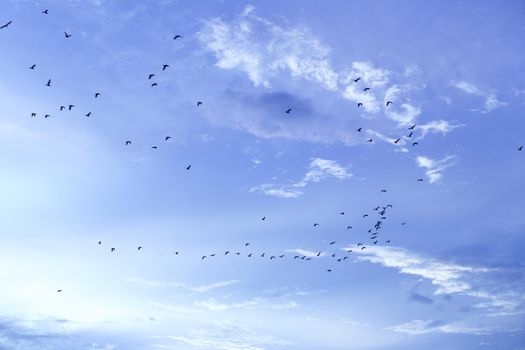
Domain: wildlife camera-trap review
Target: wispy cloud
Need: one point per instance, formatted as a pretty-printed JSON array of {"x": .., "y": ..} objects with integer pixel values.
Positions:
[
  {"x": 307, "y": 253},
  {"x": 491, "y": 101},
  {"x": 164, "y": 284},
  {"x": 417, "y": 327},
  {"x": 434, "y": 168},
  {"x": 318, "y": 170}
]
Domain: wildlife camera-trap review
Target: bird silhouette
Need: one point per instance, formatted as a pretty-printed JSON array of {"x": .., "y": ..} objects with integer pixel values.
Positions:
[
  {"x": 33, "y": 66},
  {"x": 203, "y": 257},
  {"x": 33, "y": 115},
  {"x": 139, "y": 248},
  {"x": 363, "y": 248},
  {"x": 177, "y": 37},
  {"x": 188, "y": 167},
  {"x": 151, "y": 76},
  {"x": 250, "y": 255},
  {"x": 520, "y": 148},
  {"x": 415, "y": 143},
  {"x": 48, "y": 82},
  {"x": 99, "y": 242},
  {"x": 348, "y": 227},
  {"x": 167, "y": 138},
  {"x": 272, "y": 257},
  {"x": 359, "y": 129},
  {"x": 388, "y": 103},
  {"x": 199, "y": 103},
  {"x": 59, "y": 291},
  {"x": 176, "y": 253},
  {"x": 6, "y": 25},
  {"x": 88, "y": 114},
  {"x": 263, "y": 218},
  {"x": 288, "y": 111},
  {"x": 412, "y": 127},
  {"x": 154, "y": 147},
  {"x": 332, "y": 243},
  {"x": 227, "y": 252},
  {"x": 342, "y": 213},
  {"x": 316, "y": 224},
  {"x": 359, "y": 104},
  {"x": 113, "y": 249},
  {"x": 383, "y": 191},
  {"x": 97, "y": 94},
  {"x": 67, "y": 35},
  {"x": 47, "y": 116},
  {"x": 70, "y": 107},
  {"x": 329, "y": 270},
  {"x": 411, "y": 133},
  {"x": 356, "y": 80},
  {"x": 246, "y": 244},
  {"x": 365, "y": 215},
  {"x": 154, "y": 84},
  {"x": 164, "y": 66},
  {"x": 128, "y": 142},
  {"x": 45, "y": 12},
  {"x": 396, "y": 141},
  {"x": 388, "y": 241},
  {"x": 62, "y": 108},
  {"x": 419, "y": 180},
  {"x": 366, "y": 89}
]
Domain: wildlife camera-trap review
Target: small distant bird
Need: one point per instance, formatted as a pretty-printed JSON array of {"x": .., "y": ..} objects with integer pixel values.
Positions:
[
  {"x": 288, "y": 111},
  {"x": 139, "y": 248},
  {"x": 154, "y": 84},
  {"x": 363, "y": 248},
  {"x": 164, "y": 66},
  {"x": 62, "y": 108},
  {"x": 262, "y": 255},
  {"x": 332, "y": 243},
  {"x": 296, "y": 257},
  {"x": 342, "y": 213},
  {"x": 359, "y": 244},
  {"x": 348, "y": 227},
  {"x": 99, "y": 242},
  {"x": 246, "y": 244},
  {"x": 356, "y": 80},
  {"x": 415, "y": 143},
  {"x": 250, "y": 255},
  {"x": 411, "y": 133},
  {"x": 263, "y": 218},
  {"x": 387, "y": 241},
  {"x": 227, "y": 252},
  {"x": 281, "y": 256},
  {"x": 112, "y": 249},
  {"x": 167, "y": 138},
  {"x": 365, "y": 215},
  {"x": 329, "y": 270},
  {"x": 154, "y": 147},
  {"x": 272, "y": 257},
  {"x": 359, "y": 129},
  {"x": 412, "y": 127},
  {"x": 97, "y": 94},
  {"x": 212, "y": 254},
  {"x": 67, "y": 35},
  {"x": 59, "y": 291},
  {"x": 199, "y": 103},
  {"x": 48, "y": 82},
  {"x": 33, "y": 66},
  {"x": 359, "y": 104},
  {"x": 128, "y": 142},
  {"x": 6, "y": 25},
  {"x": 396, "y": 141},
  {"x": 88, "y": 114},
  {"x": 33, "y": 115},
  {"x": 316, "y": 224},
  {"x": 203, "y": 257},
  {"x": 383, "y": 190},
  {"x": 45, "y": 12},
  {"x": 403, "y": 223},
  {"x": 419, "y": 180},
  {"x": 188, "y": 167},
  {"x": 319, "y": 254},
  {"x": 47, "y": 116},
  {"x": 151, "y": 76},
  {"x": 388, "y": 103},
  {"x": 520, "y": 148},
  {"x": 238, "y": 253},
  {"x": 370, "y": 140},
  {"x": 177, "y": 252},
  {"x": 177, "y": 37},
  {"x": 70, "y": 107},
  {"x": 366, "y": 89}
]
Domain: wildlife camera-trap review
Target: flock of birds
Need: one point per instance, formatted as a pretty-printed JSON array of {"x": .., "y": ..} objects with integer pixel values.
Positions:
[{"x": 374, "y": 231}]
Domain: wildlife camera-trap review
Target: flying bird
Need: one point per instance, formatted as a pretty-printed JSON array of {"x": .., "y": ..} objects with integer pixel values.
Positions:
[
  {"x": 60, "y": 290},
  {"x": 177, "y": 37},
  {"x": 88, "y": 114},
  {"x": 199, "y": 103},
  {"x": 359, "y": 129},
  {"x": 288, "y": 111},
  {"x": 396, "y": 141},
  {"x": 188, "y": 167},
  {"x": 33, "y": 66},
  {"x": 363, "y": 248},
  {"x": 154, "y": 84},
  {"x": 348, "y": 227},
  {"x": 366, "y": 89},
  {"x": 356, "y": 80},
  {"x": 164, "y": 66},
  {"x": 97, "y": 94},
  {"x": 328, "y": 270},
  {"x": 154, "y": 147},
  {"x": 383, "y": 191},
  {"x": 370, "y": 140},
  {"x": 246, "y": 244},
  {"x": 419, "y": 180},
  {"x": 365, "y": 215},
  {"x": 48, "y": 82},
  {"x": 388, "y": 103},
  {"x": 415, "y": 143},
  {"x": 167, "y": 138},
  {"x": 520, "y": 148},
  {"x": 332, "y": 243},
  {"x": 62, "y": 108},
  {"x": 342, "y": 213},
  {"x": 151, "y": 76},
  {"x": 112, "y": 249},
  {"x": 203, "y": 257},
  {"x": 359, "y": 104},
  {"x": 411, "y": 133},
  {"x": 412, "y": 127},
  {"x": 70, "y": 107},
  {"x": 316, "y": 224},
  {"x": 227, "y": 252},
  {"x": 45, "y": 12},
  {"x": 263, "y": 218},
  {"x": 47, "y": 116},
  {"x": 99, "y": 242},
  {"x": 33, "y": 115},
  {"x": 67, "y": 35},
  {"x": 6, "y": 25},
  {"x": 128, "y": 142},
  {"x": 139, "y": 248}
]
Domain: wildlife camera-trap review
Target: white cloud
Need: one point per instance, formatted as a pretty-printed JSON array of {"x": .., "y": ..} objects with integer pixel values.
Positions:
[
  {"x": 491, "y": 101},
  {"x": 437, "y": 126},
  {"x": 163, "y": 284},
  {"x": 212, "y": 304},
  {"x": 318, "y": 170},
  {"x": 417, "y": 327},
  {"x": 307, "y": 253},
  {"x": 434, "y": 168}
]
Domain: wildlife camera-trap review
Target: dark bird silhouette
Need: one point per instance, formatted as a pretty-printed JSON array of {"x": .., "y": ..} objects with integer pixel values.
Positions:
[
  {"x": 412, "y": 127},
  {"x": 113, "y": 249},
  {"x": 415, "y": 143},
  {"x": 281, "y": 256},
  {"x": 316, "y": 224},
  {"x": 342, "y": 213},
  {"x": 70, "y": 107},
  {"x": 97, "y": 94},
  {"x": 33, "y": 66},
  {"x": 177, "y": 37},
  {"x": 363, "y": 248},
  {"x": 99, "y": 242},
  {"x": 62, "y": 108},
  {"x": 154, "y": 147},
  {"x": 365, "y": 215},
  {"x": 88, "y": 114},
  {"x": 47, "y": 116},
  {"x": 272, "y": 257},
  {"x": 33, "y": 115},
  {"x": 227, "y": 252},
  {"x": 387, "y": 241},
  {"x": 332, "y": 243},
  {"x": 154, "y": 84},
  {"x": 250, "y": 255},
  {"x": 288, "y": 111},
  {"x": 128, "y": 142},
  {"x": 59, "y": 291},
  {"x": 177, "y": 252},
  {"x": 348, "y": 227},
  {"x": 199, "y": 103},
  {"x": 45, "y": 12},
  {"x": 359, "y": 104},
  {"x": 262, "y": 255},
  {"x": 167, "y": 138},
  {"x": 366, "y": 89},
  {"x": 388, "y": 103},
  {"x": 370, "y": 140},
  {"x": 520, "y": 148},
  {"x": 359, "y": 129},
  {"x": 329, "y": 270},
  {"x": 383, "y": 190},
  {"x": 238, "y": 253},
  {"x": 151, "y": 76},
  {"x": 164, "y": 66},
  {"x": 396, "y": 141},
  {"x": 411, "y": 133},
  {"x": 48, "y": 82},
  {"x": 67, "y": 35},
  {"x": 188, "y": 167},
  {"x": 419, "y": 180},
  {"x": 319, "y": 254},
  {"x": 139, "y": 248},
  {"x": 246, "y": 244},
  {"x": 263, "y": 218},
  {"x": 203, "y": 257},
  {"x": 6, "y": 25},
  {"x": 403, "y": 223},
  {"x": 296, "y": 257},
  {"x": 359, "y": 244},
  {"x": 356, "y": 80},
  {"x": 375, "y": 242},
  {"x": 212, "y": 254}
]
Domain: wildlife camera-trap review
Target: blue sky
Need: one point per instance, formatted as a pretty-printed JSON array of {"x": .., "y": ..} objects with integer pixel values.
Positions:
[{"x": 451, "y": 275}]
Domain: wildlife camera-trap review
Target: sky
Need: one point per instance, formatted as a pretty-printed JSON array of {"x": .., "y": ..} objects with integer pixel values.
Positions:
[{"x": 290, "y": 230}]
